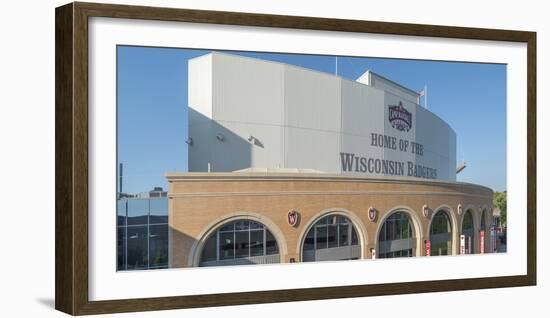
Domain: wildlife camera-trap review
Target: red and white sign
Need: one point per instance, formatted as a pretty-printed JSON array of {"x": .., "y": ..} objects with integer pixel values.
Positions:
[
  {"x": 373, "y": 253},
  {"x": 428, "y": 247},
  {"x": 372, "y": 214},
  {"x": 462, "y": 245},
  {"x": 481, "y": 242},
  {"x": 426, "y": 211},
  {"x": 293, "y": 216}
]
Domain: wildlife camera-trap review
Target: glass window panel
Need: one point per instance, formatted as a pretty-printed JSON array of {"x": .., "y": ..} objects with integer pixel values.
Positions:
[
  {"x": 256, "y": 243},
  {"x": 241, "y": 244},
  {"x": 396, "y": 227},
  {"x": 138, "y": 211},
  {"x": 440, "y": 223},
  {"x": 400, "y": 229},
  {"x": 228, "y": 227},
  {"x": 402, "y": 253},
  {"x": 121, "y": 211},
  {"x": 354, "y": 237},
  {"x": 322, "y": 221},
  {"x": 241, "y": 225},
  {"x": 158, "y": 246},
  {"x": 384, "y": 232},
  {"x": 382, "y": 236},
  {"x": 309, "y": 242},
  {"x": 435, "y": 225},
  {"x": 256, "y": 225},
  {"x": 227, "y": 248},
  {"x": 405, "y": 229},
  {"x": 137, "y": 247},
  {"x": 391, "y": 228},
  {"x": 159, "y": 210},
  {"x": 209, "y": 250},
  {"x": 332, "y": 236},
  {"x": 158, "y": 219},
  {"x": 271, "y": 246},
  {"x": 439, "y": 249},
  {"x": 468, "y": 222},
  {"x": 343, "y": 239},
  {"x": 120, "y": 250},
  {"x": 321, "y": 237},
  {"x": 341, "y": 219}
]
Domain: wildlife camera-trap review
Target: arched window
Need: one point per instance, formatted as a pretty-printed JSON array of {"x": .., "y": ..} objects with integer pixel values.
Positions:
[
  {"x": 240, "y": 242},
  {"x": 397, "y": 238},
  {"x": 440, "y": 234},
  {"x": 331, "y": 238},
  {"x": 468, "y": 232}
]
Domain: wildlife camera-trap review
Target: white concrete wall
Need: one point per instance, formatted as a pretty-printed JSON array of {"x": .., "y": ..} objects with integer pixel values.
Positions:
[
  {"x": 312, "y": 119},
  {"x": 439, "y": 142},
  {"x": 248, "y": 101},
  {"x": 301, "y": 118},
  {"x": 200, "y": 111},
  {"x": 361, "y": 114},
  {"x": 245, "y": 90},
  {"x": 199, "y": 79}
]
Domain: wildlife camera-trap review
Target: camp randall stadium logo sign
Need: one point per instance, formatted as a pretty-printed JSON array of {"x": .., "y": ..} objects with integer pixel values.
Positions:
[{"x": 399, "y": 117}]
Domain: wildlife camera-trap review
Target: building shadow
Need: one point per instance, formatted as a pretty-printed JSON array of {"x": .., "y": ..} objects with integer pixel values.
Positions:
[
  {"x": 179, "y": 248},
  {"x": 216, "y": 142}
]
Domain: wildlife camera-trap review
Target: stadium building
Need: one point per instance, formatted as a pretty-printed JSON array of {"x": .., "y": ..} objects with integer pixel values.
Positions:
[{"x": 288, "y": 164}]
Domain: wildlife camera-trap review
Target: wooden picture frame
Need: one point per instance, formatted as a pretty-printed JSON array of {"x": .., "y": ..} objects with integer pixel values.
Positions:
[{"x": 71, "y": 124}]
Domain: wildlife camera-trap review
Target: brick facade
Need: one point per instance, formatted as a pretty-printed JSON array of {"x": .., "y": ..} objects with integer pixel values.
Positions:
[{"x": 199, "y": 203}]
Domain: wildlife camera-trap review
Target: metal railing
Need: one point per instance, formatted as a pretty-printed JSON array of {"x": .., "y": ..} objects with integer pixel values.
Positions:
[
  {"x": 333, "y": 253},
  {"x": 252, "y": 260}
]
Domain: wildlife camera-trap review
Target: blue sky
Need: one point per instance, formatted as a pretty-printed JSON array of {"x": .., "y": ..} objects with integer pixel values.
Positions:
[{"x": 152, "y": 108}]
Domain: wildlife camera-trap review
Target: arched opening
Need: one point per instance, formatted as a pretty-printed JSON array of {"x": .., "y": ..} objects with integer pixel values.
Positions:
[
  {"x": 240, "y": 242},
  {"x": 441, "y": 234},
  {"x": 484, "y": 233},
  {"x": 331, "y": 238},
  {"x": 397, "y": 237},
  {"x": 468, "y": 232}
]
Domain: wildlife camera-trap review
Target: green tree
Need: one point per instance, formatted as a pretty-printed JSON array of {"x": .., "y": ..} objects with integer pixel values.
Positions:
[{"x": 499, "y": 201}]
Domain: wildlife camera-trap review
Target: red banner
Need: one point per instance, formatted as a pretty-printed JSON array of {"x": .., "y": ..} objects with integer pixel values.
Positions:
[
  {"x": 481, "y": 242},
  {"x": 428, "y": 247}
]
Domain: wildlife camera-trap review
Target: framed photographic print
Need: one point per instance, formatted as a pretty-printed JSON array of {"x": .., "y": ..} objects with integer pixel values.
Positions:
[{"x": 211, "y": 158}]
